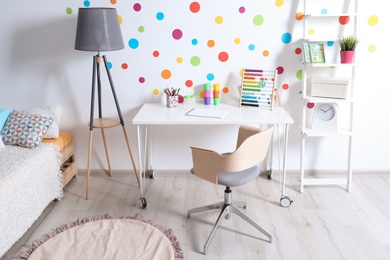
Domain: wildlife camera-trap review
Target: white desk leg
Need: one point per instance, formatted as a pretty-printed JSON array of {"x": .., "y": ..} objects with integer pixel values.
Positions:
[
  {"x": 141, "y": 160},
  {"x": 284, "y": 200},
  {"x": 150, "y": 152},
  {"x": 270, "y": 158}
]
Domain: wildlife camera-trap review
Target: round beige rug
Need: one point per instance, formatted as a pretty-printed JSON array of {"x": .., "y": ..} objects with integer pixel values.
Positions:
[{"x": 107, "y": 237}]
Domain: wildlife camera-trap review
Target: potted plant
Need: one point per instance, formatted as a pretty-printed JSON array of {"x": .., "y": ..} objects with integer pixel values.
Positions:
[{"x": 347, "y": 46}]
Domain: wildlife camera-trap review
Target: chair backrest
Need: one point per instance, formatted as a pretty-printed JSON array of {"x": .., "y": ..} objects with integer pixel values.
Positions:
[{"x": 251, "y": 149}]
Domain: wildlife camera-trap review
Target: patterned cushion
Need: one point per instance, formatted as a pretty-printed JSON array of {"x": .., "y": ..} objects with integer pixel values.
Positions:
[
  {"x": 24, "y": 129},
  {"x": 53, "y": 112}
]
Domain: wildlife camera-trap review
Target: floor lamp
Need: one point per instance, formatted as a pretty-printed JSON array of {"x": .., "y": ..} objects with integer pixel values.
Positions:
[{"x": 98, "y": 30}]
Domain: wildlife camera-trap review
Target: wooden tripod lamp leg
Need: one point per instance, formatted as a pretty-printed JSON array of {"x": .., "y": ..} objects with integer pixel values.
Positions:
[
  {"x": 131, "y": 155},
  {"x": 89, "y": 163},
  {"x": 105, "y": 148}
]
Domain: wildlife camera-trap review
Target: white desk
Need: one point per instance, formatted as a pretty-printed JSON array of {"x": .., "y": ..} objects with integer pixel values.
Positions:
[{"x": 154, "y": 114}]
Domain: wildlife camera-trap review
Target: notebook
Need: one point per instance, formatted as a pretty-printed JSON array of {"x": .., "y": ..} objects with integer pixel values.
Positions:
[{"x": 207, "y": 113}]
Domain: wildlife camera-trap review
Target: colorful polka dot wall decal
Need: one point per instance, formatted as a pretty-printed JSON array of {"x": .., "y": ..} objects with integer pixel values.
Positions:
[
  {"x": 373, "y": 20},
  {"x": 330, "y": 43},
  {"x": 241, "y": 10},
  {"x": 258, "y": 20},
  {"x": 310, "y": 105},
  {"x": 141, "y": 80},
  {"x": 113, "y": 2},
  {"x": 133, "y": 43},
  {"x": 299, "y": 16},
  {"x": 280, "y": 70},
  {"x": 194, "y": 41},
  {"x": 286, "y": 38},
  {"x": 156, "y": 91},
  {"x": 343, "y": 20},
  {"x": 310, "y": 31},
  {"x": 299, "y": 74},
  {"x": 124, "y": 66},
  {"x": 251, "y": 47},
  {"x": 120, "y": 19},
  {"x": 69, "y": 10},
  {"x": 265, "y": 53},
  {"x": 219, "y": 19},
  {"x": 237, "y": 40},
  {"x": 141, "y": 29},
  {"x": 223, "y": 56},
  {"x": 195, "y": 61},
  {"x": 324, "y": 11},
  {"x": 210, "y": 76},
  {"x": 189, "y": 83},
  {"x": 87, "y": 3},
  {"x": 371, "y": 48},
  {"x": 156, "y": 54},
  {"x": 179, "y": 60},
  {"x": 177, "y": 34},
  {"x": 166, "y": 74},
  {"x": 225, "y": 90},
  {"x": 285, "y": 86},
  {"x": 279, "y": 3},
  {"x": 137, "y": 7},
  {"x": 298, "y": 51},
  {"x": 211, "y": 43},
  {"x": 194, "y": 7},
  {"x": 160, "y": 16}
]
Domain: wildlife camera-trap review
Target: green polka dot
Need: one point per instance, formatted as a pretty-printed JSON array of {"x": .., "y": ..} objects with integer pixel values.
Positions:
[
  {"x": 372, "y": 48},
  {"x": 195, "y": 61},
  {"x": 69, "y": 10},
  {"x": 141, "y": 29},
  {"x": 258, "y": 20},
  {"x": 299, "y": 74}
]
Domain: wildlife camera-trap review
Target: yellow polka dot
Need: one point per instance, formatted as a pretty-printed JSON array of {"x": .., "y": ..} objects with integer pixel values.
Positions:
[
  {"x": 310, "y": 31},
  {"x": 279, "y": 3},
  {"x": 156, "y": 91},
  {"x": 237, "y": 40},
  {"x": 373, "y": 20},
  {"x": 179, "y": 60},
  {"x": 219, "y": 19}
]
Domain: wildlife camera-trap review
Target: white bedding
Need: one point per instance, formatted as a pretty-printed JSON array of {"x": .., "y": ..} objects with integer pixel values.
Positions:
[{"x": 29, "y": 180}]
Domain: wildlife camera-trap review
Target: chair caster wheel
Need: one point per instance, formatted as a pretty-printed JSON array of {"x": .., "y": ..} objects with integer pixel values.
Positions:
[
  {"x": 269, "y": 174},
  {"x": 285, "y": 202},
  {"x": 142, "y": 202}
]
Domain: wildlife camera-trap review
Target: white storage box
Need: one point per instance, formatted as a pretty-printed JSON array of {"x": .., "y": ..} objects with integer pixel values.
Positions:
[{"x": 330, "y": 87}]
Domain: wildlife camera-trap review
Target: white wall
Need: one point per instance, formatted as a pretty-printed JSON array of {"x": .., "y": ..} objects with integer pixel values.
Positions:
[{"x": 40, "y": 67}]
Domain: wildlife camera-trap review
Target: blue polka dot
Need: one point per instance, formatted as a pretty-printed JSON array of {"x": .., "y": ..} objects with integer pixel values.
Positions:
[
  {"x": 133, "y": 43},
  {"x": 160, "y": 16},
  {"x": 109, "y": 64},
  {"x": 324, "y": 11},
  {"x": 251, "y": 47},
  {"x": 330, "y": 43},
  {"x": 286, "y": 38},
  {"x": 210, "y": 76},
  {"x": 194, "y": 41},
  {"x": 87, "y": 3}
]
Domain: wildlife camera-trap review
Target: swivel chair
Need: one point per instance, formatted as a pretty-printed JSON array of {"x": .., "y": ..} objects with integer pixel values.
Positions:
[{"x": 232, "y": 170}]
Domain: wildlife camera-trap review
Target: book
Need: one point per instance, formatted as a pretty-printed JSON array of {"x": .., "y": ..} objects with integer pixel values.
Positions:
[
  {"x": 317, "y": 53},
  {"x": 306, "y": 52},
  {"x": 214, "y": 113}
]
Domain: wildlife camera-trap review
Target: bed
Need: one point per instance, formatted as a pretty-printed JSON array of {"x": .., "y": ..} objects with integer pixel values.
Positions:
[{"x": 33, "y": 170}]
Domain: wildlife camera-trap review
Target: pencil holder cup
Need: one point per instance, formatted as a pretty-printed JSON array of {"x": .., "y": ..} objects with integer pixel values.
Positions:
[
  {"x": 207, "y": 100},
  {"x": 206, "y": 86},
  {"x": 172, "y": 101},
  {"x": 216, "y": 87},
  {"x": 216, "y": 101},
  {"x": 215, "y": 94},
  {"x": 206, "y": 93}
]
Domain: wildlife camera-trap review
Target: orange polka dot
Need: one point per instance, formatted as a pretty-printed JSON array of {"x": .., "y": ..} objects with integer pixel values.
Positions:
[
  {"x": 225, "y": 90},
  {"x": 265, "y": 53},
  {"x": 299, "y": 16},
  {"x": 298, "y": 51},
  {"x": 166, "y": 74},
  {"x": 210, "y": 43}
]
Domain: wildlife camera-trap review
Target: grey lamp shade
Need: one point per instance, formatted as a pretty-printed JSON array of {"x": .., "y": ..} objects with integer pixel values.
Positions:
[{"x": 98, "y": 29}]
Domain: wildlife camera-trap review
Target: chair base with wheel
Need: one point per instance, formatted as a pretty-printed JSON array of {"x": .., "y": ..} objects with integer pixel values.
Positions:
[{"x": 232, "y": 170}]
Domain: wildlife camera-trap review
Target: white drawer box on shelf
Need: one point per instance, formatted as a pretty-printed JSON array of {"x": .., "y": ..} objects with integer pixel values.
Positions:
[{"x": 329, "y": 87}]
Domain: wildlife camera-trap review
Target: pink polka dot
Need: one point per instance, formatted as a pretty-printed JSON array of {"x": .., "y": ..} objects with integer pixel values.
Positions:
[
  {"x": 310, "y": 105},
  {"x": 137, "y": 7},
  {"x": 177, "y": 34},
  {"x": 141, "y": 80},
  {"x": 280, "y": 70},
  {"x": 241, "y": 9}
]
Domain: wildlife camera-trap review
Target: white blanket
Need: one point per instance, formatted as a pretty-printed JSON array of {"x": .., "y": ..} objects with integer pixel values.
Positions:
[{"x": 29, "y": 180}]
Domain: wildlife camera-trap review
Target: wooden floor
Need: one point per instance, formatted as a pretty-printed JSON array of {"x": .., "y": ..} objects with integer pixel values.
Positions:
[{"x": 322, "y": 223}]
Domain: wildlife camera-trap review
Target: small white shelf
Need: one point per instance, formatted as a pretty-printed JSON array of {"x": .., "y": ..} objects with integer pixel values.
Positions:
[
  {"x": 329, "y": 100},
  {"x": 330, "y": 15},
  {"x": 315, "y": 133},
  {"x": 330, "y": 64}
]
